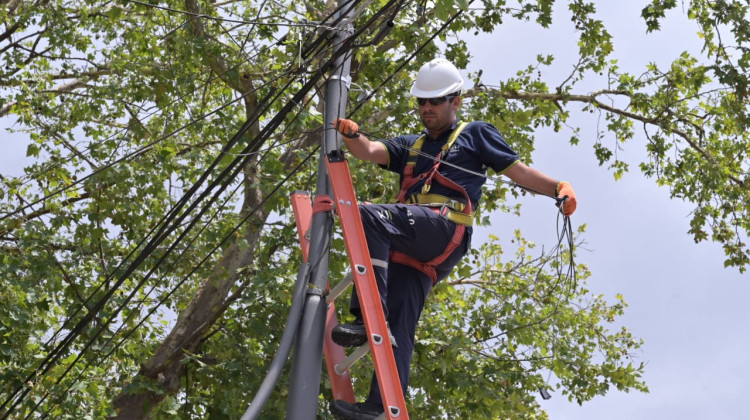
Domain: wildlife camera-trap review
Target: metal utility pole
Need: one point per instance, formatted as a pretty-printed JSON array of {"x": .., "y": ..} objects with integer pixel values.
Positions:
[{"x": 308, "y": 351}]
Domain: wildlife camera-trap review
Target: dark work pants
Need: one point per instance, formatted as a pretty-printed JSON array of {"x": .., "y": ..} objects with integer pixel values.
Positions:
[{"x": 423, "y": 234}]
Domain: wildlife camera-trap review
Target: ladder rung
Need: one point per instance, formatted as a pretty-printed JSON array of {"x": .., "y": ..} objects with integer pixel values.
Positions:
[
  {"x": 350, "y": 360},
  {"x": 357, "y": 354},
  {"x": 340, "y": 287}
]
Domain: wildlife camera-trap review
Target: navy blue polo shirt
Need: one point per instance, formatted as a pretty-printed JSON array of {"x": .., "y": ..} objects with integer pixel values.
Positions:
[{"x": 478, "y": 147}]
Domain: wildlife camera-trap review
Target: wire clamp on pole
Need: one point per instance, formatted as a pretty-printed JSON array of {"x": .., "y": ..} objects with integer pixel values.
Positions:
[
  {"x": 312, "y": 290},
  {"x": 322, "y": 204},
  {"x": 346, "y": 79}
]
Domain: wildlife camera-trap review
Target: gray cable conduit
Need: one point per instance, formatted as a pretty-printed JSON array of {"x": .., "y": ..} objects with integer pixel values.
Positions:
[{"x": 287, "y": 339}]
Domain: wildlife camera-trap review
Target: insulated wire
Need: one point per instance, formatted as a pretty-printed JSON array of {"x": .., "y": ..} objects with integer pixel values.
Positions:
[
  {"x": 153, "y": 309},
  {"x": 160, "y": 236},
  {"x": 165, "y": 298},
  {"x": 147, "y": 147},
  {"x": 144, "y": 149},
  {"x": 109, "y": 294},
  {"x": 160, "y": 260},
  {"x": 133, "y": 312},
  {"x": 55, "y": 354}
]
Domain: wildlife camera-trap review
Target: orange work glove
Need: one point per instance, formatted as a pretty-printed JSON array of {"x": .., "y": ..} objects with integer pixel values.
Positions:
[
  {"x": 565, "y": 190},
  {"x": 347, "y": 128}
]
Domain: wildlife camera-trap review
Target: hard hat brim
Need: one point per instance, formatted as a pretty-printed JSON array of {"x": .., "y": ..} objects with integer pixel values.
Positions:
[{"x": 419, "y": 93}]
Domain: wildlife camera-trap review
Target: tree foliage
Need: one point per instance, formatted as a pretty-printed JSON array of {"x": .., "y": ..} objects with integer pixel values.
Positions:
[{"x": 147, "y": 250}]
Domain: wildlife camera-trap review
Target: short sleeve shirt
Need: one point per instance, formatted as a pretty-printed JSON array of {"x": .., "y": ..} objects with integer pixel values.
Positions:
[{"x": 478, "y": 147}]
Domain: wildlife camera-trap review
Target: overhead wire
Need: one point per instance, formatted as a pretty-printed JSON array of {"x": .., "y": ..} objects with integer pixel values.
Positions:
[
  {"x": 148, "y": 146},
  {"x": 109, "y": 295},
  {"x": 54, "y": 355},
  {"x": 98, "y": 288},
  {"x": 170, "y": 134},
  {"x": 187, "y": 276},
  {"x": 227, "y": 152},
  {"x": 158, "y": 237},
  {"x": 179, "y": 284}
]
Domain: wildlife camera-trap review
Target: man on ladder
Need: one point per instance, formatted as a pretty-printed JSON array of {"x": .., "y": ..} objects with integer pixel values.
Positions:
[{"x": 416, "y": 243}]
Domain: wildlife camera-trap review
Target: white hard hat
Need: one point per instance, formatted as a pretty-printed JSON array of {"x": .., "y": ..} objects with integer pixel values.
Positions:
[{"x": 437, "y": 78}]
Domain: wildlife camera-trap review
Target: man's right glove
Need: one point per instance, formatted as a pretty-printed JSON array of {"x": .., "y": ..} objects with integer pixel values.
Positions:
[
  {"x": 569, "y": 205},
  {"x": 347, "y": 128}
]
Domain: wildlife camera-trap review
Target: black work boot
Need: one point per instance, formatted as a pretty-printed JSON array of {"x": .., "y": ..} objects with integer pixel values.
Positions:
[
  {"x": 354, "y": 334},
  {"x": 343, "y": 410}
]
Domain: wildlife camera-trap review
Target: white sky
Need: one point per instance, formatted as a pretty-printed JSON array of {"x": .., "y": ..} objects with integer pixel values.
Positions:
[
  {"x": 683, "y": 303},
  {"x": 688, "y": 309}
]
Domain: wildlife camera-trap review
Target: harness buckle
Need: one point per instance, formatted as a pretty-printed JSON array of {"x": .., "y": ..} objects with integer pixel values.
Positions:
[
  {"x": 445, "y": 208},
  {"x": 453, "y": 205}
]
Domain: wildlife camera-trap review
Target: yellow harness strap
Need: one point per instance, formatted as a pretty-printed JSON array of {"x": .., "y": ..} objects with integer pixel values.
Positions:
[{"x": 451, "y": 208}]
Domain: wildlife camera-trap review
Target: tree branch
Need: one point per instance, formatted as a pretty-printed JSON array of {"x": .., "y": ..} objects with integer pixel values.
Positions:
[{"x": 592, "y": 99}]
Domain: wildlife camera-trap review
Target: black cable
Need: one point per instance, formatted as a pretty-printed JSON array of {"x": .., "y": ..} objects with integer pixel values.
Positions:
[
  {"x": 127, "y": 320},
  {"x": 195, "y": 268},
  {"x": 138, "y": 152},
  {"x": 66, "y": 342},
  {"x": 148, "y": 146},
  {"x": 250, "y": 147},
  {"x": 172, "y": 133},
  {"x": 143, "y": 149},
  {"x": 285, "y": 346},
  {"x": 152, "y": 310},
  {"x": 187, "y": 247},
  {"x": 160, "y": 235}
]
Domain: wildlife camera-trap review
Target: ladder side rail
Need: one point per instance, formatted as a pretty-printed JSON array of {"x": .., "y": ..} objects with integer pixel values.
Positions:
[
  {"x": 367, "y": 289},
  {"x": 302, "y": 208},
  {"x": 341, "y": 384}
]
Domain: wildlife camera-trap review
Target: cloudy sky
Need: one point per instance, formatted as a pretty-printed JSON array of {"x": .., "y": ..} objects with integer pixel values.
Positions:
[
  {"x": 682, "y": 302},
  {"x": 688, "y": 309}
]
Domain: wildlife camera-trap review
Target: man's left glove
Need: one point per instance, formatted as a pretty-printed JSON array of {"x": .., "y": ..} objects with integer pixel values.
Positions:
[
  {"x": 569, "y": 205},
  {"x": 347, "y": 128}
]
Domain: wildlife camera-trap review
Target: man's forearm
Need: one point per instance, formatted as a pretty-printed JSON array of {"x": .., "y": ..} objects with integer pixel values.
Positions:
[
  {"x": 533, "y": 178},
  {"x": 364, "y": 149}
]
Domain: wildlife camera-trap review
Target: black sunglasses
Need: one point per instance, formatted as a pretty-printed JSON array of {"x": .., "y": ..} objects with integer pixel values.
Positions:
[{"x": 435, "y": 101}]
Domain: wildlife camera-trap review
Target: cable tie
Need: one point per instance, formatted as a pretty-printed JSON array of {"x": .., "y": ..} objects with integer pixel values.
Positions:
[{"x": 313, "y": 290}]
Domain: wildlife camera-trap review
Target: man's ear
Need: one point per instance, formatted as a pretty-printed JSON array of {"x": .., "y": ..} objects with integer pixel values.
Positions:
[{"x": 456, "y": 103}]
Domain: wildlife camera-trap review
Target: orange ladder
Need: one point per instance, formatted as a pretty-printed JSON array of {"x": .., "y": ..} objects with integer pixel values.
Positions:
[{"x": 362, "y": 275}]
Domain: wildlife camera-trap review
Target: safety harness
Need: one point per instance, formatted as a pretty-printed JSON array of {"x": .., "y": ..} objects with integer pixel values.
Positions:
[{"x": 459, "y": 213}]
